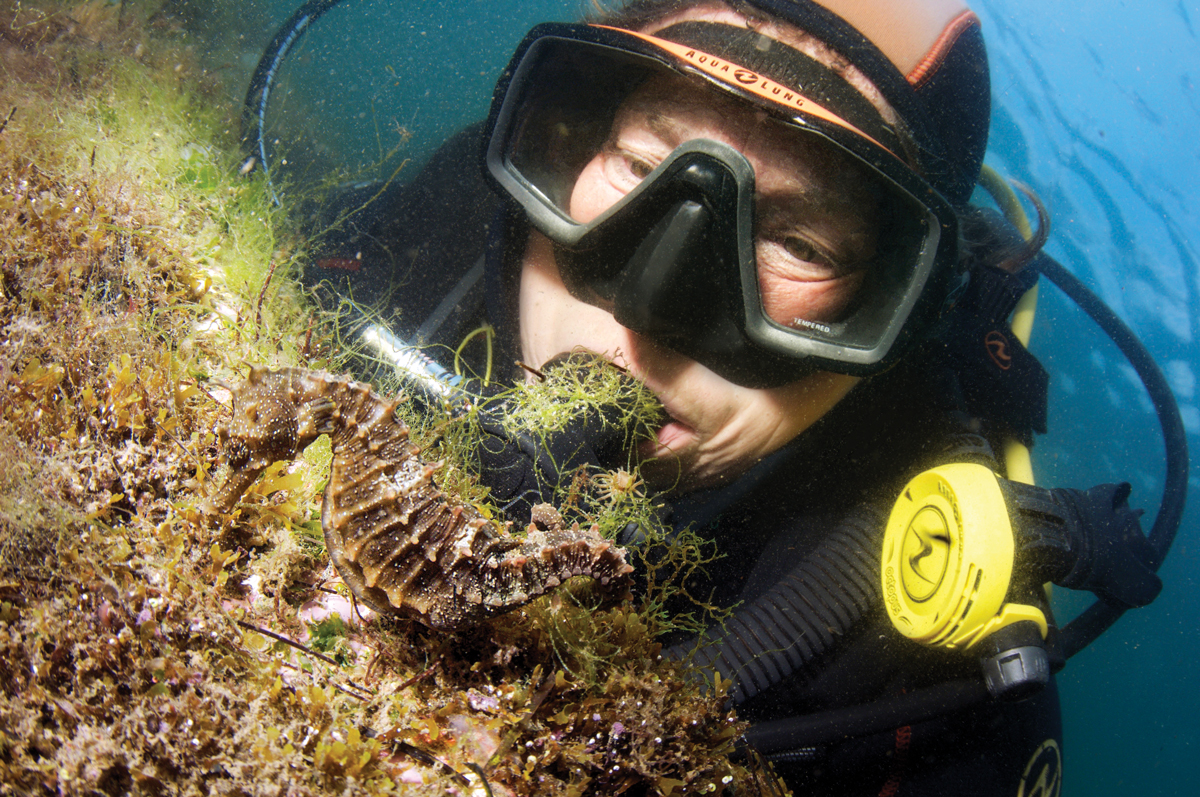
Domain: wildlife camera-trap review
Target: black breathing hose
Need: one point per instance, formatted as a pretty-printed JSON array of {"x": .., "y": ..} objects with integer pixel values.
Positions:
[
  {"x": 1083, "y": 630},
  {"x": 799, "y": 620},
  {"x": 254, "y": 109},
  {"x": 774, "y": 737}
]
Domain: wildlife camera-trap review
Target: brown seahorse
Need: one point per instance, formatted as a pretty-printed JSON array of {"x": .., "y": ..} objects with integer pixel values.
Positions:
[{"x": 403, "y": 545}]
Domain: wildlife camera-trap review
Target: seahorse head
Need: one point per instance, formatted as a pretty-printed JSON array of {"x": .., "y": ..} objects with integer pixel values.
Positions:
[{"x": 275, "y": 415}]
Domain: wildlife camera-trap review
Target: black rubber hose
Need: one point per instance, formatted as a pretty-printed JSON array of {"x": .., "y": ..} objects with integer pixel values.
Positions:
[
  {"x": 1084, "y": 629},
  {"x": 796, "y": 621},
  {"x": 824, "y": 727},
  {"x": 254, "y": 109}
]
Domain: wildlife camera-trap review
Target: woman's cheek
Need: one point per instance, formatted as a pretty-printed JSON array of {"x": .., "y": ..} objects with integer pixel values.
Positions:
[
  {"x": 552, "y": 320},
  {"x": 825, "y": 300}
]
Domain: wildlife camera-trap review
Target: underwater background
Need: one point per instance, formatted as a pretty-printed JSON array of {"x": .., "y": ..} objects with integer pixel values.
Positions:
[{"x": 1095, "y": 106}]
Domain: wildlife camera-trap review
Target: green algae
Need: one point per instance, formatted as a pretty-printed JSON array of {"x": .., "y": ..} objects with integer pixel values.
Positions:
[{"x": 143, "y": 651}]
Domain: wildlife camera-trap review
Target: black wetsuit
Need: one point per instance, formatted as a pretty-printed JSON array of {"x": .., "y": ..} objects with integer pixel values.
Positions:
[{"x": 425, "y": 242}]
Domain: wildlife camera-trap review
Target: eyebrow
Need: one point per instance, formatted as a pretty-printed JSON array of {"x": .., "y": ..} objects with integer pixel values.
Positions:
[
  {"x": 660, "y": 123},
  {"x": 663, "y": 125}
]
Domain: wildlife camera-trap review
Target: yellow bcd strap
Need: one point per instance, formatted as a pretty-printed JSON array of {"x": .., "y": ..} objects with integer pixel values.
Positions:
[{"x": 1017, "y": 461}]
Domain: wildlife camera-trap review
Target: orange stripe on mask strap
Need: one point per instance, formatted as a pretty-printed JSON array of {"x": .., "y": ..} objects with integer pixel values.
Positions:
[
  {"x": 944, "y": 44},
  {"x": 739, "y": 77}
]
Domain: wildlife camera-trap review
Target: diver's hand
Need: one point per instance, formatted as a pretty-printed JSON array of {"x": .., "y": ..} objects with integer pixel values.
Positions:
[
  {"x": 1112, "y": 557},
  {"x": 524, "y": 466}
]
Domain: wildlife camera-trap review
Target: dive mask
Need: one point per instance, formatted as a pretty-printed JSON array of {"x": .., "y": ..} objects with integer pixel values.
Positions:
[{"x": 832, "y": 258}]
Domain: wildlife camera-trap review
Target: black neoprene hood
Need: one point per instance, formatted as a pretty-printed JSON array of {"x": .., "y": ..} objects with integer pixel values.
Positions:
[{"x": 947, "y": 114}]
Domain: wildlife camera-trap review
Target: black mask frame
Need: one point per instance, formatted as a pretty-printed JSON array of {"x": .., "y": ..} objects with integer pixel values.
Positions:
[{"x": 674, "y": 260}]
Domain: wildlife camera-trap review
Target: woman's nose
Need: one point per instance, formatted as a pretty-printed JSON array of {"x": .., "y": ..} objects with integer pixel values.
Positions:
[{"x": 646, "y": 357}]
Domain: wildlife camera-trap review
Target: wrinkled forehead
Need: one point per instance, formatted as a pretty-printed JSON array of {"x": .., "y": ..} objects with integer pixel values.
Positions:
[{"x": 674, "y": 109}]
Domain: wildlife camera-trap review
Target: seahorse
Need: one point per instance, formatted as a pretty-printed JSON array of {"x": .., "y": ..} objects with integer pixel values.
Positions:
[{"x": 403, "y": 545}]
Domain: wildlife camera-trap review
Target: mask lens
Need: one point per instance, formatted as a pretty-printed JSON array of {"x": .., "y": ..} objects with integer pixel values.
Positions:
[
  {"x": 837, "y": 255},
  {"x": 564, "y": 114}
]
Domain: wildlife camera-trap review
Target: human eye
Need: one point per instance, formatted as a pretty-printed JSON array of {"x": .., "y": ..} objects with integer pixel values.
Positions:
[
  {"x": 807, "y": 254},
  {"x": 626, "y": 164},
  {"x": 800, "y": 281},
  {"x": 637, "y": 165},
  {"x": 798, "y": 256}
]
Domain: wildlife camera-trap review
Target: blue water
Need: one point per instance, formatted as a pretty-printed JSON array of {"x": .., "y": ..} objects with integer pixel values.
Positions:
[{"x": 1096, "y": 106}]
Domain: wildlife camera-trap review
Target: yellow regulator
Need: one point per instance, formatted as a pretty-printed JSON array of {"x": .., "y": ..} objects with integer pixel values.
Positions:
[{"x": 947, "y": 566}]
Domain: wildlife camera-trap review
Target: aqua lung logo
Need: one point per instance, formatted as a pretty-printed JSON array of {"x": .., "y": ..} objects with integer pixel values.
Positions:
[
  {"x": 997, "y": 348},
  {"x": 745, "y": 76},
  {"x": 1043, "y": 773},
  {"x": 926, "y": 554},
  {"x": 762, "y": 86},
  {"x": 751, "y": 81},
  {"x": 914, "y": 561}
]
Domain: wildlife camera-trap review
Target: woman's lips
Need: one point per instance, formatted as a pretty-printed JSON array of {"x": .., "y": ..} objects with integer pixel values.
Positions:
[{"x": 672, "y": 438}]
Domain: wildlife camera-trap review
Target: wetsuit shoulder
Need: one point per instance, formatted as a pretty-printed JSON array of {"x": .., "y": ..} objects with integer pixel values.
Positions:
[{"x": 404, "y": 245}]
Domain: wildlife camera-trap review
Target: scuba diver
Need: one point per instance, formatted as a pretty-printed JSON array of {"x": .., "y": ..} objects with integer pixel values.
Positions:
[{"x": 762, "y": 210}]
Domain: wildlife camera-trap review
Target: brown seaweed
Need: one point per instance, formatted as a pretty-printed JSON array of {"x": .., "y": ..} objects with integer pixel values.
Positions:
[{"x": 403, "y": 545}]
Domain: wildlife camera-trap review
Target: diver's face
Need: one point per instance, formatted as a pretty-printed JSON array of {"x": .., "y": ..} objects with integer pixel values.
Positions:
[
  {"x": 815, "y": 232},
  {"x": 717, "y": 429}
]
